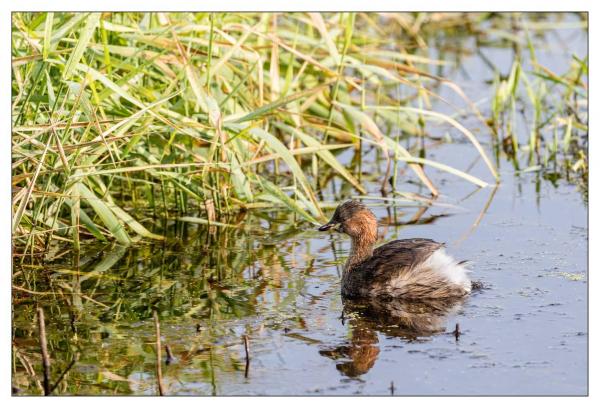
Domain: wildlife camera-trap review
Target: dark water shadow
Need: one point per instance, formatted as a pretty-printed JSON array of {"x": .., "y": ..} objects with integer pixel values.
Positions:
[{"x": 407, "y": 320}]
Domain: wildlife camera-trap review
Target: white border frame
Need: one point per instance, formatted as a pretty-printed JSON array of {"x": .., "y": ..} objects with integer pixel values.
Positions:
[{"x": 289, "y": 5}]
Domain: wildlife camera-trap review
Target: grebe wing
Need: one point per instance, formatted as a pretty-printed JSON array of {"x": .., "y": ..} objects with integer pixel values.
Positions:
[
  {"x": 406, "y": 252},
  {"x": 397, "y": 258},
  {"x": 407, "y": 268}
]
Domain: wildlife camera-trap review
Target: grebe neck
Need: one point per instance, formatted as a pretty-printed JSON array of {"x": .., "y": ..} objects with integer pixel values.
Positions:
[{"x": 361, "y": 249}]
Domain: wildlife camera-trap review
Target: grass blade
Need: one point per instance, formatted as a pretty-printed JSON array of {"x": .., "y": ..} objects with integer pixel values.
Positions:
[
  {"x": 287, "y": 201},
  {"x": 47, "y": 35},
  {"x": 452, "y": 122},
  {"x": 278, "y": 147},
  {"x": 106, "y": 215},
  {"x": 325, "y": 155},
  {"x": 84, "y": 38}
]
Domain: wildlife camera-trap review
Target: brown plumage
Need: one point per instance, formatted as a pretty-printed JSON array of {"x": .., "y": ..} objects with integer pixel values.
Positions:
[{"x": 415, "y": 268}]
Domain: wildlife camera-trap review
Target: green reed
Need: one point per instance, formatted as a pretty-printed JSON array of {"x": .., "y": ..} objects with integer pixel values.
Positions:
[
  {"x": 208, "y": 114},
  {"x": 541, "y": 116}
]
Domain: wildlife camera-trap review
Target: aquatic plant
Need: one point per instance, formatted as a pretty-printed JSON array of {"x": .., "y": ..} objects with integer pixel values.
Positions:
[
  {"x": 121, "y": 115},
  {"x": 540, "y": 117}
]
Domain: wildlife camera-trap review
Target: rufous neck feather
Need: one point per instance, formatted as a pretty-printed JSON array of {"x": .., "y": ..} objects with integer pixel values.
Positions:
[{"x": 363, "y": 231}]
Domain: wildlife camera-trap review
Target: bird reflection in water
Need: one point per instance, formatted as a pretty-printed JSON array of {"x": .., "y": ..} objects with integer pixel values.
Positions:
[{"x": 407, "y": 320}]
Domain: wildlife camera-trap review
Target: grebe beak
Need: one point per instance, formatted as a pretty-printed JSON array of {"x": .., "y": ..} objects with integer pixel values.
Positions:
[{"x": 328, "y": 226}]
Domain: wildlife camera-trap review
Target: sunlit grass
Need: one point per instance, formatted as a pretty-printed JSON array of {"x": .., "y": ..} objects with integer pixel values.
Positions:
[
  {"x": 541, "y": 116},
  {"x": 211, "y": 112}
]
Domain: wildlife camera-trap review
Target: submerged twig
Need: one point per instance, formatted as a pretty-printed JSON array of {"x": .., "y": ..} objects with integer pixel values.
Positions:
[
  {"x": 44, "y": 347},
  {"x": 161, "y": 390},
  {"x": 71, "y": 364},
  {"x": 170, "y": 358},
  {"x": 456, "y": 332},
  {"x": 386, "y": 177},
  {"x": 247, "y": 349}
]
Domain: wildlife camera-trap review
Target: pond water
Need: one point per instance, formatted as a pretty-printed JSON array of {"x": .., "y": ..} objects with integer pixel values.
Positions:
[{"x": 276, "y": 282}]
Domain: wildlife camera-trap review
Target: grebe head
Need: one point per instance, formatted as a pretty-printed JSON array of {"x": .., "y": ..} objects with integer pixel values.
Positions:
[{"x": 355, "y": 219}]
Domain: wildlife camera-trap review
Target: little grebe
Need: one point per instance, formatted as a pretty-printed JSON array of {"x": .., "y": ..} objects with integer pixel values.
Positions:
[{"x": 415, "y": 268}]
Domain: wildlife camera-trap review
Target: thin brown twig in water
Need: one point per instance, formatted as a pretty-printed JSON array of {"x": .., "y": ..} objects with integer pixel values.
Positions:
[
  {"x": 457, "y": 332},
  {"x": 75, "y": 358},
  {"x": 385, "y": 181},
  {"x": 44, "y": 347},
  {"x": 158, "y": 358},
  {"x": 247, "y": 349},
  {"x": 170, "y": 357}
]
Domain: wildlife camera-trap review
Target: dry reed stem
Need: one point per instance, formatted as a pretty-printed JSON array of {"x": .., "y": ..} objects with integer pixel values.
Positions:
[
  {"x": 161, "y": 390},
  {"x": 44, "y": 347}
]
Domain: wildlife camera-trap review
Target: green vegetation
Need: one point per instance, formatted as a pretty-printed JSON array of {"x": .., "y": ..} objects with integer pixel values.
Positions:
[
  {"x": 120, "y": 113},
  {"x": 229, "y": 134},
  {"x": 540, "y": 117}
]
